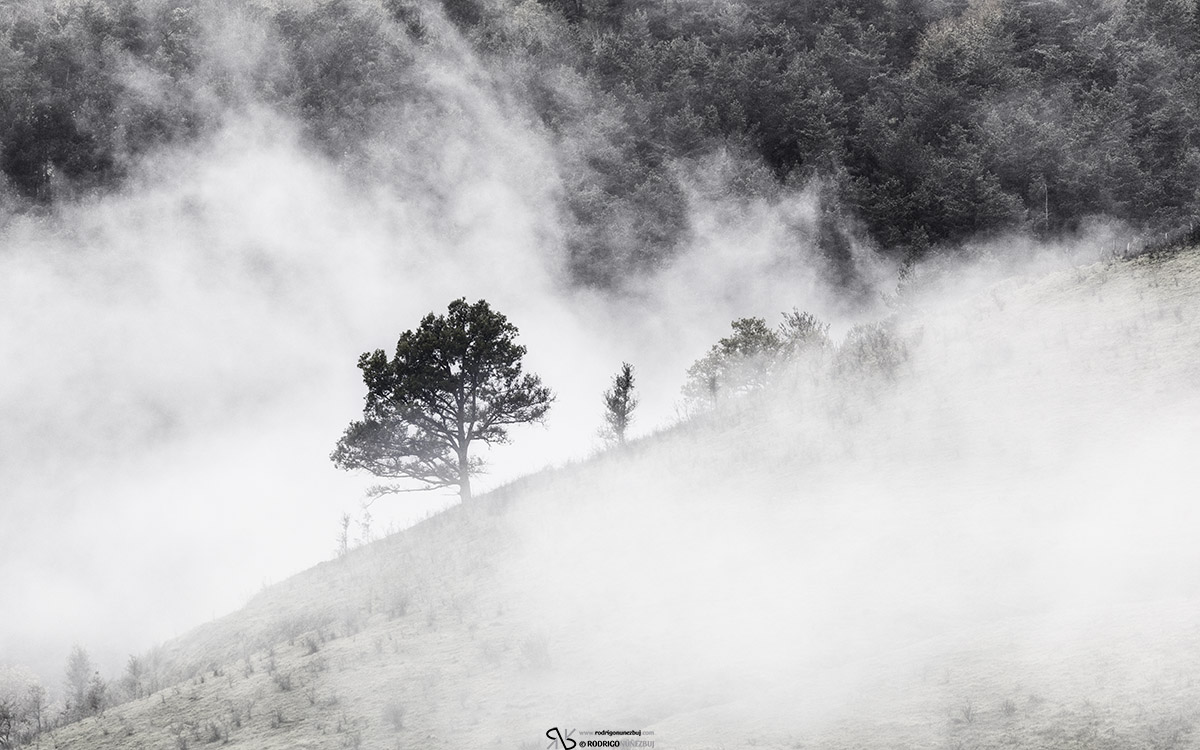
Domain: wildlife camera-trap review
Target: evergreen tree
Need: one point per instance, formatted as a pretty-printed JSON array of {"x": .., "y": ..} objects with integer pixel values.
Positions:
[{"x": 619, "y": 403}]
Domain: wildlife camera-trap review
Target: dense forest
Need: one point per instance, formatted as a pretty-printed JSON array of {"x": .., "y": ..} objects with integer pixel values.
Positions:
[{"x": 920, "y": 122}]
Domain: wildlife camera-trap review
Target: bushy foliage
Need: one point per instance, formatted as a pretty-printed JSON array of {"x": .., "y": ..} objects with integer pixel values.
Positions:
[
  {"x": 736, "y": 364},
  {"x": 797, "y": 353},
  {"x": 756, "y": 356},
  {"x": 23, "y": 707},
  {"x": 871, "y": 350},
  {"x": 802, "y": 333}
]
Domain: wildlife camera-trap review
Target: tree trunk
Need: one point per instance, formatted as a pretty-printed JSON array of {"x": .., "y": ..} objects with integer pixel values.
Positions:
[{"x": 464, "y": 477}]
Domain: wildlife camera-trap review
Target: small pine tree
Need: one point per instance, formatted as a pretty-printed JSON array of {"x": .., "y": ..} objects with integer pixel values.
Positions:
[
  {"x": 619, "y": 403},
  {"x": 75, "y": 685},
  {"x": 97, "y": 695}
]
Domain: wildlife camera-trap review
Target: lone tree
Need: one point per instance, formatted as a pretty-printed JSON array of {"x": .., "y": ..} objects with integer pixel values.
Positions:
[
  {"x": 455, "y": 379},
  {"x": 619, "y": 403}
]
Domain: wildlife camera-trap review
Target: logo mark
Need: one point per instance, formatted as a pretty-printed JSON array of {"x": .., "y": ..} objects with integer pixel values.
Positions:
[{"x": 557, "y": 740}]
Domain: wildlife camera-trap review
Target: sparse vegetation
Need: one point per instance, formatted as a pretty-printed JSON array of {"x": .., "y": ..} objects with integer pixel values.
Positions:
[
  {"x": 393, "y": 714},
  {"x": 966, "y": 712}
]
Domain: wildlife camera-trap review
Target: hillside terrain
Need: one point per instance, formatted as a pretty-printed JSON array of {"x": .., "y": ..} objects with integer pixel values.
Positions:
[{"x": 993, "y": 549}]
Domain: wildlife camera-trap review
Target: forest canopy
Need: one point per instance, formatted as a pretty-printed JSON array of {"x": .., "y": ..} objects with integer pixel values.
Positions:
[{"x": 926, "y": 122}]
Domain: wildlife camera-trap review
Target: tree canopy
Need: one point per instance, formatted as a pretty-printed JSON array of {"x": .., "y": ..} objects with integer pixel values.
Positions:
[{"x": 454, "y": 380}]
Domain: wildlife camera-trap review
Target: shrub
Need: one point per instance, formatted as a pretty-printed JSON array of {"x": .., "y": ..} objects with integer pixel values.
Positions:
[
  {"x": 214, "y": 732},
  {"x": 535, "y": 652},
  {"x": 871, "y": 349},
  {"x": 317, "y": 665},
  {"x": 283, "y": 680},
  {"x": 802, "y": 332},
  {"x": 400, "y": 601},
  {"x": 393, "y": 713}
]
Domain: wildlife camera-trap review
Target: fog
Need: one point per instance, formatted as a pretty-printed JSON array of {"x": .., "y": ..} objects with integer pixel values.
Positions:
[
  {"x": 1013, "y": 516},
  {"x": 180, "y": 355},
  {"x": 180, "y": 360}
]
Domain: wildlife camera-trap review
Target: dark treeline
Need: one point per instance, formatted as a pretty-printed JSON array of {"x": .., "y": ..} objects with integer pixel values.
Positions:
[{"x": 925, "y": 121}]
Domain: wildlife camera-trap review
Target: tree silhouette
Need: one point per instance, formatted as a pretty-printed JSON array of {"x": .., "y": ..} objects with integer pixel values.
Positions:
[{"x": 456, "y": 379}]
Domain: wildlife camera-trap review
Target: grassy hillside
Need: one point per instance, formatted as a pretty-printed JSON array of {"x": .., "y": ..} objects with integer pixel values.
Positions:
[{"x": 994, "y": 549}]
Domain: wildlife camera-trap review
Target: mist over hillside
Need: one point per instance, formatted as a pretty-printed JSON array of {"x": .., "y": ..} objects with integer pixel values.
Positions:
[
  {"x": 994, "y": 548},
  {"x": 209, "y": 210}
]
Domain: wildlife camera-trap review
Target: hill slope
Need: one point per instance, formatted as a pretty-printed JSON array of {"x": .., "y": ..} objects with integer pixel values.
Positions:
[{"x": 994, "y": 549}]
